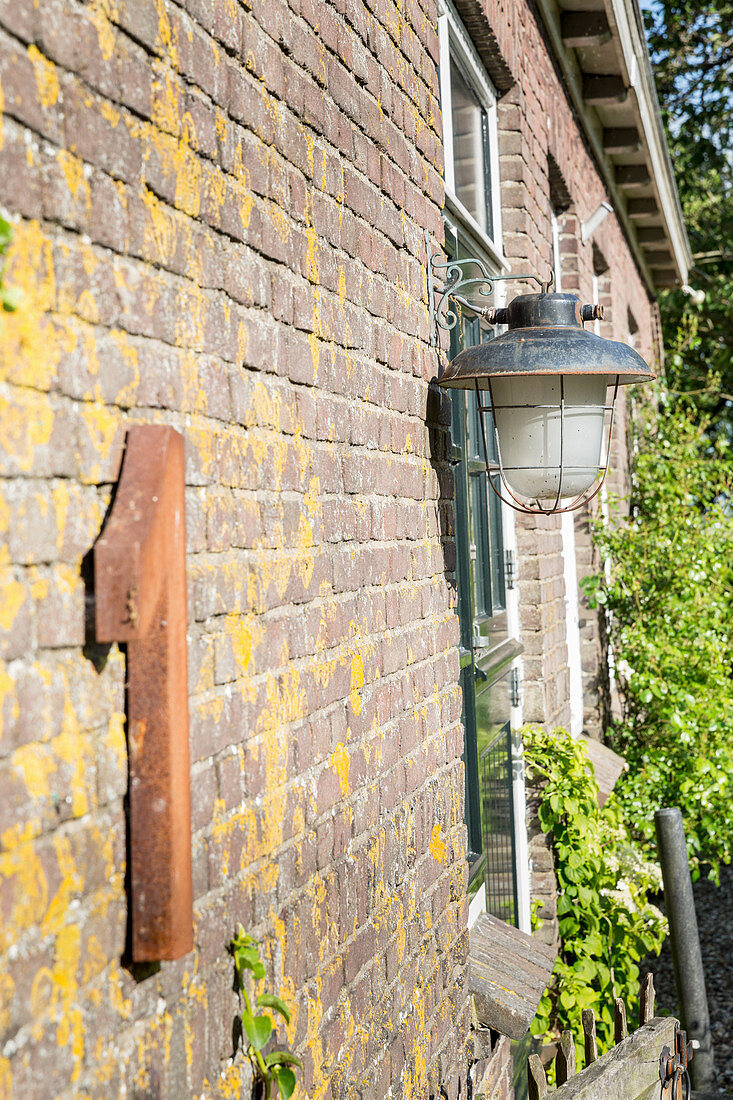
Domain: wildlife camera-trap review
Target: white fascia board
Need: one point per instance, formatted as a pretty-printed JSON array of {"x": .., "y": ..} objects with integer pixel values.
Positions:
[{"x": 625, "y": 16}]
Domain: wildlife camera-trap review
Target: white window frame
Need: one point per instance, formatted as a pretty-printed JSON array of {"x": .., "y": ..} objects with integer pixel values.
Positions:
[{"x": 454, "y": 40}]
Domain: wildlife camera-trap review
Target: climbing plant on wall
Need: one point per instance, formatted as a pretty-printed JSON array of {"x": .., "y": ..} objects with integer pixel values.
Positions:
[
  {"x": 607, "y": 922},
  {"x": 668, "y": 591}
]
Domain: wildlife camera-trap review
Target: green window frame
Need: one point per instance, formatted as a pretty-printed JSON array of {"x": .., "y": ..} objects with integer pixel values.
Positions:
[{"x": 487, "y": 651}]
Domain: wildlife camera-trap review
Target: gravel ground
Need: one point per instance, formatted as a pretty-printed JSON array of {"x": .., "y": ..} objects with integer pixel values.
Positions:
[{"x": 714, "y": 907}]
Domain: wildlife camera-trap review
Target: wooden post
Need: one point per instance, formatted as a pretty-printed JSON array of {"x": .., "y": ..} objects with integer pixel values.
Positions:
[
  {"x": 620, "y": 1029},
  {"x": 536, "y": 1078},
  {"x": 589, "y": 1036},
  {"x": 140, "y": 599},
  {"x": 646, "y": 1003},
  {"x": 565, "y": 1061}
]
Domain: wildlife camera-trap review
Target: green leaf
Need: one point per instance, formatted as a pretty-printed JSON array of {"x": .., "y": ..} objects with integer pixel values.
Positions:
[
  {"x": 11, "y": 298},
  {"x": 286, "y": 1083},
  {"x": 283, "y": 1057},
  {"x": 258, "y": 1029},
  {"x": 269, "y": 1000}
]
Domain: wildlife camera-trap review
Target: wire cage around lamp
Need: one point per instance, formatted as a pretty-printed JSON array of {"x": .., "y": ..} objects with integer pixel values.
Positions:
[{"x": 544, "y": 383}]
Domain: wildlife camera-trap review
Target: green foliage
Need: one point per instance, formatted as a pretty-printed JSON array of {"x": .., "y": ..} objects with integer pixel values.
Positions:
[
  {"x": 607, "y": 923},
  {"x": 668, "y": 595},
  {"x": 9, "y": 298},
  {"x": 276, "y": 1066},
  {"x": 690, "y": 45}
]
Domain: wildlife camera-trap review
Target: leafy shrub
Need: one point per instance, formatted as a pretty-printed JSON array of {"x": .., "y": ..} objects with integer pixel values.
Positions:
[
  {"x": 607, "y": 923},
  {"x": 668, "y": 595}
]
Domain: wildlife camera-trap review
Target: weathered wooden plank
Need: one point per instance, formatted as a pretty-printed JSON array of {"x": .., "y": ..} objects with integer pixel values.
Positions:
[
  {"x": 528, "y": 947},
  {"x": 584, "y": 28},
  {"x": 658, "y": 257},
  {"x": 628, "y": 1072},
  {"x": 589, "y": 1035},
  {"x": 607, "y": 766},
  {"x": 652, "y": 234},
  {"x": 598, "y": 91},
  {"x": 620, "y": 1029},
  {"x": 646, "y": 1002},
  {"x": 536, "y": 1080},
  {"x": 565, "y": 1061},
  {"x": 630, "y": 176},
  {"x": 621, "y": 139},
  {"x": 643, "y": 208},
  {"x": 508, "y": 972}
]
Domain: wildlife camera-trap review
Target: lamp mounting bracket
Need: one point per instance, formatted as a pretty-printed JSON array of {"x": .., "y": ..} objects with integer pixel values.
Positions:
[{"x": 460, "y": 276}]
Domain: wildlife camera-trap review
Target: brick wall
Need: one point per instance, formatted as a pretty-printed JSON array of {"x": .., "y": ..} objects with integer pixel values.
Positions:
[
  {"x": 538, "y": 130},
  {"x": 218, "y": 215}
]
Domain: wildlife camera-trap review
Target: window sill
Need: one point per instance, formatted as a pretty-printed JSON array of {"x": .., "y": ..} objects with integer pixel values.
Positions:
[{"x": 455, "y": 211}]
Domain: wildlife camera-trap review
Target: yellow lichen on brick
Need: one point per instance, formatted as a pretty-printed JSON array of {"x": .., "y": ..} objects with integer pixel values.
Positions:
[
  {"x": 103, "y": 13},
  {"x": 311, "y": 261},
  {"x": 232, "y": 1081},
  {"x": 159, "y": 234},
  {"x": 35, "y": 764},
  {"x": 7, "y": 693},
  {"x": 47, "y": 79},
  {"x": 7, "y": 988},
  {"x": 188, "y": 176},
  {"x": 6, "y": 1079},
  {"x": 73, "y": 169},
  {"x": 357, "y": 682},
  {"x": 340, "y": 763},
  {"x": 72, "y": 882},
  {"x": 20, "y": 865},
  {"x": 166, "y": 102},
  {"x": 102, "y": 424},
  {"x": 437, "y": 846},
  {"x": 12, "y": 595},
  {"x": 166, "y": 41}
]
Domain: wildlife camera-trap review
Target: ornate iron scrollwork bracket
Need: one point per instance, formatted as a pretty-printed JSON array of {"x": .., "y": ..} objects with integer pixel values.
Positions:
[{"x": 461, "y": 276}]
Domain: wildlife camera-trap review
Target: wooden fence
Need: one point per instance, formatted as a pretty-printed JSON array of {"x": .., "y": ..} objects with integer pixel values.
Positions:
[{"x": 629, "y": 1071}]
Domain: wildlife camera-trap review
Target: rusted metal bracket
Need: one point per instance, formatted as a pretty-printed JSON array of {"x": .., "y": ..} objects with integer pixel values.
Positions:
[
  {"x": 673, "y": 1075},
  {"x": 140, "y": 594}
]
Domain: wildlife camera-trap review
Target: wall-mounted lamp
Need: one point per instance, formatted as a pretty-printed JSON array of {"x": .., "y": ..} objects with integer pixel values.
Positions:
[{"x": 546, "y": 379}]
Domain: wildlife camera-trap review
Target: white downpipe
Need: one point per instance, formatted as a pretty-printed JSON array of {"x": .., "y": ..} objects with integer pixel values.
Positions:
[
  {"x": 570, "y": 561},
  {"x": 572, "y": 623},
  {"x": 516, "y": 718}
]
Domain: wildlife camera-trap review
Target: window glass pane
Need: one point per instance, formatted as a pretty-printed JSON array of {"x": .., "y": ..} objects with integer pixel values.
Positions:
[
  {"x": 498, "y": 582},
  {"x": 469, "y": 147},
  {"x": 480, "y": 550}
]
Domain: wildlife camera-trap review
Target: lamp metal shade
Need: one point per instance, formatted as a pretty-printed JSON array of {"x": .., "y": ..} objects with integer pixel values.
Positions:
[{"x": 545, "y": 337}]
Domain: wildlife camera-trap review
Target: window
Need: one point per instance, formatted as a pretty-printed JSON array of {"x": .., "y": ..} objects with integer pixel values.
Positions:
[
  {"x": 483, "y": 530},
  {"x": 468, "y": 102}
]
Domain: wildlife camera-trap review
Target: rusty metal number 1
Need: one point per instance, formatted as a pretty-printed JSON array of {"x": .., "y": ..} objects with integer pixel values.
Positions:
[{"x": 140, "y": 599}]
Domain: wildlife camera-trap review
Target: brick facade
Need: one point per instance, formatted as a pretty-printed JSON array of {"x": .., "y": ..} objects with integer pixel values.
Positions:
[{"x": 218, "y": 213}]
